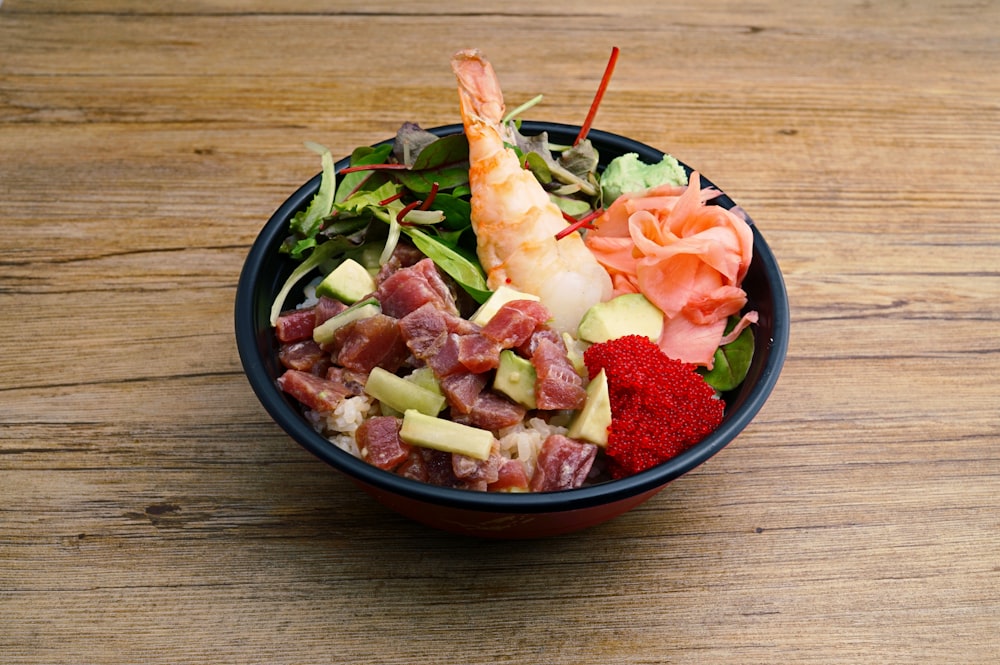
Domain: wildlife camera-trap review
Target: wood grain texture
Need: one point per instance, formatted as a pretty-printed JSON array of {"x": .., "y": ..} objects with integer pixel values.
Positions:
[{"x": 151, "y": 512}]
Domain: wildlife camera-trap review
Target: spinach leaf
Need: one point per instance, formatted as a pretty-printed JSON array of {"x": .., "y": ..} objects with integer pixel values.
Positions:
[
  {"x": 732, "y": 361},
  {"x": 352, "y": 182},
  {"x": 451, "y": 149},
  {"x": 422, "y": 181},
  {"x": 457, "y": 210},
  {"x": 444, "y": 161}
]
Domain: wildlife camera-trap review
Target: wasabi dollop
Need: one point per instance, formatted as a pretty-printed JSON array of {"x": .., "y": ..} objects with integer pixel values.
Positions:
[{"x": 628, "y": 174}]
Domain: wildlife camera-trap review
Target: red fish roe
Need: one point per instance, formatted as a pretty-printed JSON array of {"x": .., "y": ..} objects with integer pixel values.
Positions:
[{"x": 660, "y": 407}]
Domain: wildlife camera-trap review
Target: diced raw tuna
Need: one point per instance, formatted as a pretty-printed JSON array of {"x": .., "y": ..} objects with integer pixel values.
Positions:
[
  {"x": 413, "y": 467},
  {"x": 372, "y": 342},
  {"x": 428, "y": 330},
  {"x": 528, "y": 348},
  {"x": 462, "y": 389},
  {"x": 304, "y": 355},
  {"x": 295, "y": 325},
  {"x": 353, "y": 382},
  {"x": 491, "y": 412},
  {"x": 477, "y": 474},
  {"x": 316, "y": 392},
  {"x": 379, "y": 442},
  {"x": 408, "y": 288},
  {"x": 327, "y": 308},
  {"x": 447, "y": 360},
  {"x": 456, "y": 324},
  {"x": 511, "y": 477},
  {"x": 424, "y": 330},
  {"x": 439, "y": 469},
  {"x": 515, "y": 322},
  {"x": 558, "y": 386},
  {"x": 563, "y": 463},
  {"x": 477, "y": 353},
  {"x": 403, "y": 256}
]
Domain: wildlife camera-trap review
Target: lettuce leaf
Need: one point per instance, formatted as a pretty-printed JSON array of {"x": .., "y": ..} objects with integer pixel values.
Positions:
[{"x": 307, "y": 223}]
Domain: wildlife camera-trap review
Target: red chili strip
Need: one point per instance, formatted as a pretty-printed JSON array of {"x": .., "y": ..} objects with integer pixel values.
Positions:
[
  {"x": 597, "y": 97},
  {"x": 430, "y": 197},
  {"x": 394, "y": 197},
  {"x": 577, "y": 224},
  {"x": 406, "y": 210},
  {"x": 374, "y": 167}
]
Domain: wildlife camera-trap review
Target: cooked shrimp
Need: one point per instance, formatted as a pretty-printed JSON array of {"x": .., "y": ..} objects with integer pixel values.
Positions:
[{"x": 513, "y": 218}]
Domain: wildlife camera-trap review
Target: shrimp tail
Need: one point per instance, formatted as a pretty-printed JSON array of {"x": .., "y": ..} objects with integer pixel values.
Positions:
[
  {"x": 478, "y": 87},
  {"x": 481, "y": 104}
]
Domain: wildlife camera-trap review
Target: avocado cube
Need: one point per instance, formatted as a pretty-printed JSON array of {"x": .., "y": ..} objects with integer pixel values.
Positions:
[
  {"x": 592, "y": 421},
  {"x": 349, "y": 282},
  {"x": 402, "y": 395},
  {"x": 627, "y": 314},
  {"x": 419, "y": 429},
  {"x": 516, "y": 378}
]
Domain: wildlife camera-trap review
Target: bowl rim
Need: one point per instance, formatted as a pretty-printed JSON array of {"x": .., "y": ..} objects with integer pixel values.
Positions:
[{"x": 279, "y": 407}]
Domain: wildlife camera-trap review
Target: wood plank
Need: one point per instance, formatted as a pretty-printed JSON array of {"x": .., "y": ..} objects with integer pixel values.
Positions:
[{"x": 151, "y": 511}]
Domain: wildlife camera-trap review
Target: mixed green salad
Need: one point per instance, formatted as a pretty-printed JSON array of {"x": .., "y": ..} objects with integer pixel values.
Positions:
[{"x": 418, "y": 185}]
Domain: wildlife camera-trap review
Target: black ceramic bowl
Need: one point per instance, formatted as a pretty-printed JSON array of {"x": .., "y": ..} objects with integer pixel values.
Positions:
[{"x": 502, "y": 515}]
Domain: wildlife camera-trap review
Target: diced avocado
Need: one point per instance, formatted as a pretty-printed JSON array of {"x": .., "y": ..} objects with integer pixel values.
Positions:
[
  {"x": 574, "y": 353},
  {"x": 516, "y": 378},
  {"x": 504, "y": 294},
  {"x": 323, "y": 333},
  {"x": 349, "y": 282},
  {"x": 401, "y": 395},
  {"x": 424, "y": 377},
  {"x": 419, "y": 429},
  {"x": 592, "y": 421},
  {"x": 627, "y": 314}
]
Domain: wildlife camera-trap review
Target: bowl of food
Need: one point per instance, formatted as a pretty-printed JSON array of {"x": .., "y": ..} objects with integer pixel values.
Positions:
[{"x": 512, "y": 360}]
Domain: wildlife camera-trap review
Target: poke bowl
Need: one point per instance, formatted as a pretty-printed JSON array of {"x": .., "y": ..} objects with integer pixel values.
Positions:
[{"x": 509, "y": 515}]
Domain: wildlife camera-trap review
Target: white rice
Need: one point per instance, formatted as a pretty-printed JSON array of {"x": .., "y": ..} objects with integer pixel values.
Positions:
[
  {"x": 340, "y": 425},
  {"x": 523, "y": 440},
  {"x": 309, "y": 293}
]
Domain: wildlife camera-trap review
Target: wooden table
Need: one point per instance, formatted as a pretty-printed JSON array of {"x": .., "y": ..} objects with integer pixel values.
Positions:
[{"x": 150, "y": 512}]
